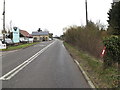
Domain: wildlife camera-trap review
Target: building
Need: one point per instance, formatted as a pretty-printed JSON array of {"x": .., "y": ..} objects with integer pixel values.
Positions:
[
  {"x": 40, "y": 36},
  {"x": 25, "y": 36}
]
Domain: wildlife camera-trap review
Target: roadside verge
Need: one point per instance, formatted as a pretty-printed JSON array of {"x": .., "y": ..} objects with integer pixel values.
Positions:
[
  {"x": 93, "y": 67},
  {"x": 85, "y": 75},
  {"x": 10, "y": 48}
]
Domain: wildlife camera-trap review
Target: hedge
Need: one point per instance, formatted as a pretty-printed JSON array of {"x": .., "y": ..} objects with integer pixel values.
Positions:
[{"x": 112, "y": 55}]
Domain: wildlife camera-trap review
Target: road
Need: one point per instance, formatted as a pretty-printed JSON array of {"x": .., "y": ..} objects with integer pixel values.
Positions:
[{"x": 49, "y": 65}]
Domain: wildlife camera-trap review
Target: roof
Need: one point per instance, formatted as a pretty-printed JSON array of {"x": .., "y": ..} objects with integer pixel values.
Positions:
[
  {"x": 25, "y": 33},
  {"x": 42, "y": 33}
]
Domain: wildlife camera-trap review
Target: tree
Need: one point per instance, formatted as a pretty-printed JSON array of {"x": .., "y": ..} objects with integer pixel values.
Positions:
[
  {"x": 51, "y": 35},
  {"x": 100, "y": 25},
  {"x": 4, "y": 31},
  {"x": 114, "y": 19},
  {"x": 39, "y": 30}
]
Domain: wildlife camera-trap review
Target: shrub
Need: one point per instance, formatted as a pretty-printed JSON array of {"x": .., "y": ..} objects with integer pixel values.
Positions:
[
  {"x": 87, "y": 38},
  {"x": 112, "y": 56}
]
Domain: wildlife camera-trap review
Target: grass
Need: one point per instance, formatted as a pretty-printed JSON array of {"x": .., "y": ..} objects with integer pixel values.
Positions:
[
  {"x": 9, "y": 48},
  {"x": 102, "y": 78}
]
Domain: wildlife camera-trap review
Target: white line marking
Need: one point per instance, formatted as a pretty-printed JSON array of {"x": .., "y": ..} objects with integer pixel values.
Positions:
[
  {"x": 62, "y": 45},
  {"x": 13, "y": 72},
  {"x": 87, "y": 78},
  {"x": 39, "y": 45}
]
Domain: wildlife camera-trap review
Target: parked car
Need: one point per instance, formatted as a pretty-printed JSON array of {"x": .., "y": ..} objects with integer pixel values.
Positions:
[
  {"x": 8, "y": 41},
  {"x": 50, "y": 39},
  {"x": 23, "y": 40}
]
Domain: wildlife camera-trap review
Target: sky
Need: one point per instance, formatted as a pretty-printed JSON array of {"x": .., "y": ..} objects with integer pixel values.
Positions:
[{"x": 53, "y": 15}]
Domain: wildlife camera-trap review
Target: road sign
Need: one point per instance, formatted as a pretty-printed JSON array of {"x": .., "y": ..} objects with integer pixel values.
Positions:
[{"x": 16, "y": 35}]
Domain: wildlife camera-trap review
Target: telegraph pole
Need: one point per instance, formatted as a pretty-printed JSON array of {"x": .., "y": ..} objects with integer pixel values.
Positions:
[
  {"x": 86, "y": 13},
  {"x": 4, "y": 21}
]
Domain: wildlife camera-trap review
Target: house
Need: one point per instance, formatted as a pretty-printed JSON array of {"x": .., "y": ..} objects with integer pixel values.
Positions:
[
  {"x": 25, "y": 37},
  {"x": 40, "y": 36}
]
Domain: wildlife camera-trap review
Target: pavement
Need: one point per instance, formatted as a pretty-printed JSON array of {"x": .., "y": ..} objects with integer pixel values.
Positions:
[{"x": 45, "y": 65}]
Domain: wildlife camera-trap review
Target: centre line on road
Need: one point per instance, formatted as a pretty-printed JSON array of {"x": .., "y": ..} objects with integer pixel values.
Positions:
[{"x": 13, "y": 72}]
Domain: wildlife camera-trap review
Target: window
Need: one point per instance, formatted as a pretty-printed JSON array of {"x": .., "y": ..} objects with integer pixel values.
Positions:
[{"x": 35, "y": 38}]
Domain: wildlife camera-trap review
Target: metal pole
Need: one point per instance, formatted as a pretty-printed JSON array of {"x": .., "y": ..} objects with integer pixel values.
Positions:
[
  {"x": 86, "y": 13},
  {"x": 4, "y": 21}
]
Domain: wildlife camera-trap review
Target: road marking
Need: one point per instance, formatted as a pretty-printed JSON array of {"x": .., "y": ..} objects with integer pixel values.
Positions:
[
  {"x": 63, "y": 45},
  {"x": 39, "y": 45},
  {"x": 13, "y": 72}
]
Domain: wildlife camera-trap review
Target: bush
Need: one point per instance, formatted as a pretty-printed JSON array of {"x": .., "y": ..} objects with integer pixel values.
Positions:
[
  {"x": 87, "y": 38},
  {"x": 112, "y": 56}
]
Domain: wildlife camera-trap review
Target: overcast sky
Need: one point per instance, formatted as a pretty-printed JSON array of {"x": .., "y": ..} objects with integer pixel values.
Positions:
[{"x": 53, "y": 15}]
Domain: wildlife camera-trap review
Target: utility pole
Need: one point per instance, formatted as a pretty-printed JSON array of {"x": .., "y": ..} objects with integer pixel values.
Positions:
[
  {"x": 86, "y": 13},
  {"x": 11, "y": 25},
  {"x": 4, "y": 21}
]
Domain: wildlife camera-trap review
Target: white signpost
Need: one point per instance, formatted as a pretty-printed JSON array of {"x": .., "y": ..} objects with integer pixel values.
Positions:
[{"x": 16, "y": 35}]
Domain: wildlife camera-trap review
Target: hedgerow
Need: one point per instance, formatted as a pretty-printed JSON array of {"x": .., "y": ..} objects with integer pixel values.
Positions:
[{"x": 112, "y": 55}]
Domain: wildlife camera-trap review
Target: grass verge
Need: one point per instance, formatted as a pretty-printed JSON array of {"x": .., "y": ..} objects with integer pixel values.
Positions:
[
  {"x": 102, "y": 78},
  {"x": 9, "y": 48}
]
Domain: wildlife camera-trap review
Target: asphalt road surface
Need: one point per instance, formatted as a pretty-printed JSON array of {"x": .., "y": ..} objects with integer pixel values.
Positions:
[{"x": 45, "y": 65}]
